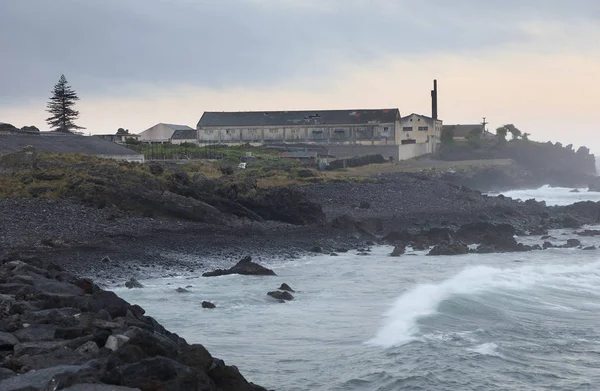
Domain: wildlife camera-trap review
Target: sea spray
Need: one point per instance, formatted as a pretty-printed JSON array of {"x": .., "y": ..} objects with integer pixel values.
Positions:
[{"x": 400, "y": 324}]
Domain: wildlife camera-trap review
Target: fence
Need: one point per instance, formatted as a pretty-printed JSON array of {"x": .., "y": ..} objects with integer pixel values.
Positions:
[{"x": 177, "y": 152}]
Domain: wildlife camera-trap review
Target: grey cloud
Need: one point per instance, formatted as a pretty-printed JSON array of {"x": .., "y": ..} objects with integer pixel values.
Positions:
[{"x": 108, "y": 47}]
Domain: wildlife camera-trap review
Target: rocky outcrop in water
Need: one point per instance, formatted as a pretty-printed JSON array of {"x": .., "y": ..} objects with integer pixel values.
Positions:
[
  {"x": 455, "y": 248},
  {"x": 59, "y": 331},
  {"x": 245, "y": 267},
  {"x": 281, "y": 296}
]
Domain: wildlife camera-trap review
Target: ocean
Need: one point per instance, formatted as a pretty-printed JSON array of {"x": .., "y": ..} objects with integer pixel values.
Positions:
[{"x": 518, "y": 321}]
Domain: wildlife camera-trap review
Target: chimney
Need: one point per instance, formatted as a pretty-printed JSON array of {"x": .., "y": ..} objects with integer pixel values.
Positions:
[{"x": 434, "y": 106}]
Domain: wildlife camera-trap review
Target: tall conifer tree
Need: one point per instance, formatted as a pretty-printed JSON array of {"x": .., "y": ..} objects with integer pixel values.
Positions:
[{"x": 60, "y": 106}]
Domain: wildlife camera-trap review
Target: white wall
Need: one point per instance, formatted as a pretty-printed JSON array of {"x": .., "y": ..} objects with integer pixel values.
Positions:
[
  {"x": 157, "y": 133},
  {"x": 409, "y": 151}
]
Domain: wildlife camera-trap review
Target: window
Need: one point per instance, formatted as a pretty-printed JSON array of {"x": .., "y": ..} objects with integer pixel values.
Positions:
[
  {"x": 424, "y": 128},
  {"x": 295, "y": 131},
  {"x": 229, "y": 132},
  {"x": 252, "y": 131},
  {"x": 407, "y": 129},
  {"x": 272, "y": 131},
  {"x": 385, "y": 129},
  {"x": 338, "y": 130},
  {"x": 208, "y": 132}
]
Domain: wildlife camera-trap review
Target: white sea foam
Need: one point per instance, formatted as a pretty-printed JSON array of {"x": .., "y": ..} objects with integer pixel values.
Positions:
[
  {"x": 553, "y": 195},
  {"x": 400, "y": 324},
  {"x": 486, "y": 349}
]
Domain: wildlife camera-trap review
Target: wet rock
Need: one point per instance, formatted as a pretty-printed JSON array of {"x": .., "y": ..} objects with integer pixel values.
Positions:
[
  {"x": 397, "y": 251},
  {"x": 286, "y": 296},
  {"x": 538, "y": 231},
  {"x": 133, "y": 283},
  {"x": 316, "y": 249},
  {"x": 483, "y": 249},
  {"x": 7, "y": 341},
  {"x": 208, "y": 304},
  {"x": 571, "y": 243},
  {"x": 181, "y": 290},
  {"x": 341, "y": 250},
  {"x": 285, "y": 287},
  {"x": 333, "y": 255},
  {"x": 106, "y": 259},
  {"x": 589, "y": 232},
  {"x": 456, "y": 248},
  {"x": 547, "y": 245},
  {"x": 364, "y": 205},
  {"x": 590, "y": 248},
  {"x": 574, "y": 191},
  {"x": 244, "y": 267},
  {"x": 545, "y": 237}
]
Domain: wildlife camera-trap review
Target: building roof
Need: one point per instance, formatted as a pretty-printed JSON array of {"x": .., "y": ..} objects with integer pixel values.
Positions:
[
  {"x": 185, "y": 134},
  {"x": 305, "y": 117},
  {"x": 178, "y": 127},
  {"x": 462, "y": 130},
  {"x": 62, "y": 143}
]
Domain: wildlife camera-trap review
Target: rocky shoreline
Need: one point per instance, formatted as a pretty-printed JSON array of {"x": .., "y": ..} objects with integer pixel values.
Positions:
[
  {"x": 62, "y": 332},
  {"x": 112, "y": 246}
]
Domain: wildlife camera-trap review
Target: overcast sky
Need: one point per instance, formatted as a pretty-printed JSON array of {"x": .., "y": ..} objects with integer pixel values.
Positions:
[{"x": 134, "y": 63}]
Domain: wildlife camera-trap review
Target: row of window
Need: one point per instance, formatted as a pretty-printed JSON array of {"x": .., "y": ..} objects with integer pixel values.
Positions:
[
  {"x": 231, "y": 132},
  {"x": 410, "y": 128}
]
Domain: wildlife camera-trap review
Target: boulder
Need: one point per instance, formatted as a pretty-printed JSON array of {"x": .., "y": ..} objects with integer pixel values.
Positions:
[
  {"x": 7, "y": 341},
  {"x": 397, "y": 251},
  {"x": 590, "y": 248},
  {"x": 571, "y": 243},
  {"x": 181, "y": 290},
  {"x": 285, "y": 287},
  {"x": 454, "y": 248},
  {"x": 285, "y": 296},
  {"x": 484, "y": 249},
  {"x": 244, "y": 267},
  {"x": 133, "y": 283},
  {"x": 114, "y": 342},
  {"x": 589, "y": 232},
  {"x": 574, "y": 191},
  {"x": 364, "y": 205},
  {"x": 547, "y": 245},
  {"x": 316, "y": 249},
  {"x": 208, "y": 304},
  {"x": 50, "y": 378}
]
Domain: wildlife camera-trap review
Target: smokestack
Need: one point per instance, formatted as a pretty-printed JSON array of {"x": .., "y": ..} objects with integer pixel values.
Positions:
[{"x": 434, "y": 106}]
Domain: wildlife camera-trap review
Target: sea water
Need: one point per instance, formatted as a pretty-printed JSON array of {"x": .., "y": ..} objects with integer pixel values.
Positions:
[{"x": 519, "y": 321}]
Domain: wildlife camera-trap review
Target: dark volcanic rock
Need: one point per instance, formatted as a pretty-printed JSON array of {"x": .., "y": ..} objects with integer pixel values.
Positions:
[
  {"x": 285, "y": 287},
  {"x": 245, "y": 267},
  {"x": 181, "y": 290},
  {"x": 208, "y": 304},
  {"x": 572, "y": 243},
  {"x": 456, "y": 248},
  {"x": 100, "y": 342},
  {"x": 590, "y": 248},
  {"x": 398, "y": 250},
  {"x": 133, "y": 283},
  {"x": 282, "y": 296},
  {"x": 589, "y": 232}
]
